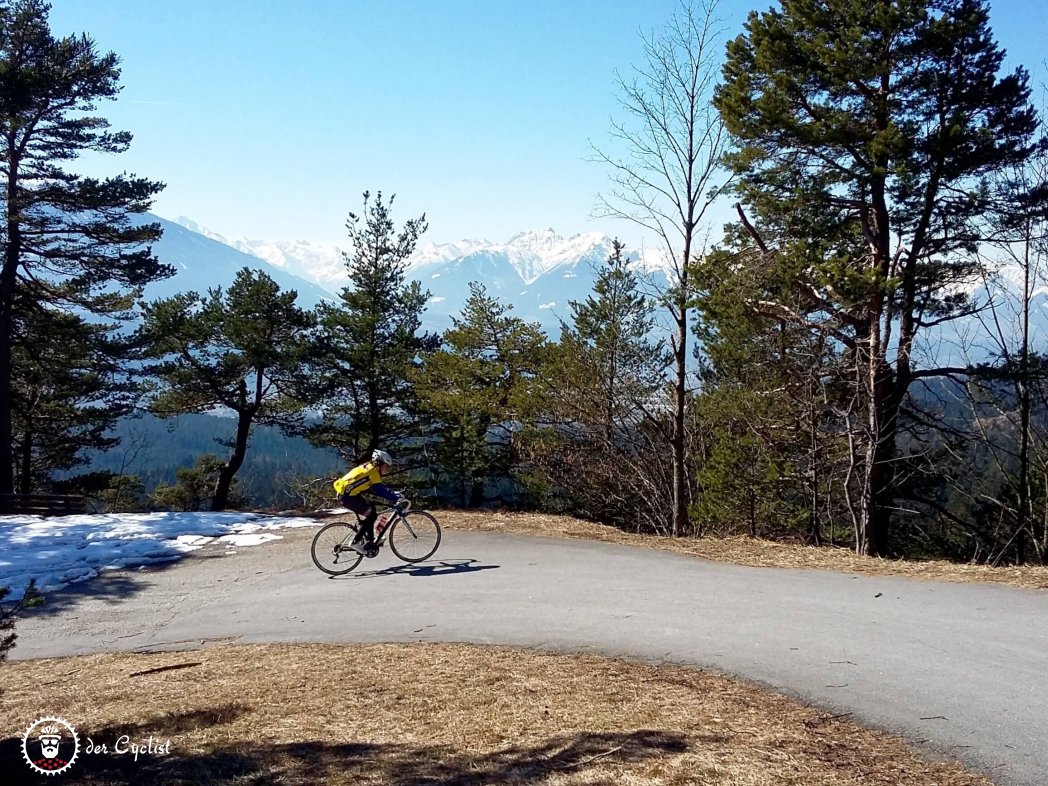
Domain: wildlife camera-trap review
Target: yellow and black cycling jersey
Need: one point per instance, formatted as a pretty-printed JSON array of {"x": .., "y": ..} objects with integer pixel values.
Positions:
[{"x": 365, "y": 477}]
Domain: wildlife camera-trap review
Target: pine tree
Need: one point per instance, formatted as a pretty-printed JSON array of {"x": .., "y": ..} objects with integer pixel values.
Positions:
[
  {"x": 874, "y": 145},
  {"x": 68, "y": 391},
  {"x": 243, "y": 351},
  {"x": 372, "y": 339},
  {"x": 69, "y": 242},
  {"x": 610, "y": 336},
  {"x": 606, "y": 376},
  {"x": 481, "y": 387},
  {"x": 772, "y": 439}
]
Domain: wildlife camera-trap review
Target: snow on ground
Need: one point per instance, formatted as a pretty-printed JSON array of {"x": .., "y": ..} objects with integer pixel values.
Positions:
[{"x": 62, "y": 550}]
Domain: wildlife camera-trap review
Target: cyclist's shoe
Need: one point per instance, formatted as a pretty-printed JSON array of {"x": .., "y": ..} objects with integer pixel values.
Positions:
[{"x": 361, "y": 547}]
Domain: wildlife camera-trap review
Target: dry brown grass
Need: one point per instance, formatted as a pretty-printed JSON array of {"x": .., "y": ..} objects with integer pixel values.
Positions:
[
  {"x": 746, "y": 551},
  {"x": 442, "y": 714}
]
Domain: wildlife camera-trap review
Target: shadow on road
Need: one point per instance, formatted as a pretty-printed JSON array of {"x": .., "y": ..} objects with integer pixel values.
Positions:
[
  {"x": 111, "y": 586},
  {"x": 445, "y": 567},
  {"x": 345, "y": 762}
]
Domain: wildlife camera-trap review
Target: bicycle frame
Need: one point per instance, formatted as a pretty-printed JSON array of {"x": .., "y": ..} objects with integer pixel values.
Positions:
[{"x": 387, "y": 517}]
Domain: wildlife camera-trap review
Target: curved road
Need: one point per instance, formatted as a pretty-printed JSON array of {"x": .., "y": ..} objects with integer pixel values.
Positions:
[{"x": 959, "y": 669}]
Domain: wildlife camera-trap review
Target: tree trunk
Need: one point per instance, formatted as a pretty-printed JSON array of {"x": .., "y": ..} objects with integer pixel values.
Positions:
[
  {"x": 882, "y": 489},
  {"x": 478, "y": 476},
  {"x": 680, "y": 480},
  {"x": 680, "y": 477},
  {"x": 236, "y": 460},
  {"x": 814, "y": 532},
  {"x": 7, "y": 292},
  {"x": 7, "y": 464},
  {"x": 374, "y": 417},
  {"x": 245, "y": 417},
  {"x": 1044, "y": 536},
  {"x": 26, "y": 485},
  {"x": 1025, "y": 523}
]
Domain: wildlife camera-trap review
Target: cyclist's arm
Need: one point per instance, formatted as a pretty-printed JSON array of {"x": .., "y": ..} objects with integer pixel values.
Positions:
[{"x": 385, "y": 492}]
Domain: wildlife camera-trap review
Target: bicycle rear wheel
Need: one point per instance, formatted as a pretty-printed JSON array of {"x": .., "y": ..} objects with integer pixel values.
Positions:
[
  {"x": 415, "y": 536},
  {"x": 331, "y": 551}
]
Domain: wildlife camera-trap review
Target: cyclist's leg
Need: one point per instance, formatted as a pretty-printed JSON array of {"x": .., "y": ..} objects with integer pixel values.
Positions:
[{"x": 367, "y": 514}]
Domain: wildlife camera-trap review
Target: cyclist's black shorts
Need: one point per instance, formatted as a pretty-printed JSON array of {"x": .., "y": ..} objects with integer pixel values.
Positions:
[{"x": 356, "y": 503}]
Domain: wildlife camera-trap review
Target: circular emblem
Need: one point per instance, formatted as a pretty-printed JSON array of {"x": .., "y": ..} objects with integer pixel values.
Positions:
[{"x": 50, "y": 746}]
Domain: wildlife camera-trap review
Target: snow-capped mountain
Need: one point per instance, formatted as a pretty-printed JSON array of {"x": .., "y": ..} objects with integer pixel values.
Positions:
[
  {"x": 536, "y": 272},
  {"x": 997, "y": 325},
  {"x": 436, "y": 253},
  {"x": 322, "y": 264},
  {"x": 531, "y": 254},
  {"x": 201, "y": 263}
]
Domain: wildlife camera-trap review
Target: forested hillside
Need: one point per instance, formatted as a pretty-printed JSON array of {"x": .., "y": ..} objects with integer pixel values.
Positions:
[{"x": 153, "y": 449}]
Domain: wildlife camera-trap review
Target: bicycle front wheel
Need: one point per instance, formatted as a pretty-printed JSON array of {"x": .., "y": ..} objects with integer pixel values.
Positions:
[
  {"x": 415, "y": 536},
  {"x": 331, "y": 551}
]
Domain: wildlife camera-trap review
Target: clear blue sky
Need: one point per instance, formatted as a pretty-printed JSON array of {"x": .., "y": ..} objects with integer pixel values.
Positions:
[{"x": 269, "y": 118}]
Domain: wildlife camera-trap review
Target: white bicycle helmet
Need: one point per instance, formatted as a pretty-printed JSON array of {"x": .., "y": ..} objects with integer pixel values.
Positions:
[{"x": 381, "y": 457}]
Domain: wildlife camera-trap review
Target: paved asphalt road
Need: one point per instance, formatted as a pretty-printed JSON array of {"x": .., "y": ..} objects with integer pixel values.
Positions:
[{"x": 960, "y": 669}]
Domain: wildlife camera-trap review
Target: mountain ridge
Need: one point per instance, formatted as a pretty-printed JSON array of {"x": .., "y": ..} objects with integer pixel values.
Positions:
[
  {"x": 535, "y": 272},
  {"x": 202, "y": 263},
  {"x": 533, "y": 253}
]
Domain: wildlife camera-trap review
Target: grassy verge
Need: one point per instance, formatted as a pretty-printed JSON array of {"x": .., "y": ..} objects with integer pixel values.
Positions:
[
  {"x": 747, "y": 551},
  {"x": 440, "y": 714}
]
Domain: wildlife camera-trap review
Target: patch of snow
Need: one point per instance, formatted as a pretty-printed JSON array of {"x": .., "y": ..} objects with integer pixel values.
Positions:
[{"x": 68, "y": 549}]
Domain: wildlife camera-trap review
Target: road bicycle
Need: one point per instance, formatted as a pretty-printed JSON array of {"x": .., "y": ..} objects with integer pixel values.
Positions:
[{"x": 414, "y": 536}]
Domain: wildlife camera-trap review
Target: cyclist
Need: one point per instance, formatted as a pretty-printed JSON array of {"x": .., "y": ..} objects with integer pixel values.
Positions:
[{"x": 366, "y": 477}]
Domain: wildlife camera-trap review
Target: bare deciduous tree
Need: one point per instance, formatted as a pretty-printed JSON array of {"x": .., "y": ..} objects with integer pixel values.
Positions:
[{"x": 667, "y": 179}]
